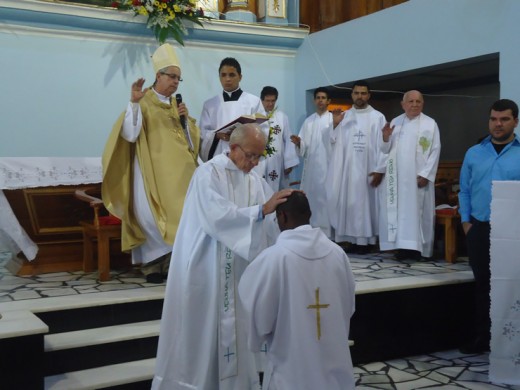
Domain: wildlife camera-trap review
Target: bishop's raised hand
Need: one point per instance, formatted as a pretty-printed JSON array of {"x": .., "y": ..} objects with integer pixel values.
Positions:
[{"x": 137, "y": 92}]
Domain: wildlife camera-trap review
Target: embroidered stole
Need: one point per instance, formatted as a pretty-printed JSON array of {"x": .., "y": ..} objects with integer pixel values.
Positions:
[
  {"x": 228, "y": 352},
  {"x": 424, "y": 141}
]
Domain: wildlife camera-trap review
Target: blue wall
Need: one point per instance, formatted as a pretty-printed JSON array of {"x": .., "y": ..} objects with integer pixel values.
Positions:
[
  {"x": 66, "y": 76},
  {"x": 412, "y": 35},
  {"x": 67, "y": 71}
]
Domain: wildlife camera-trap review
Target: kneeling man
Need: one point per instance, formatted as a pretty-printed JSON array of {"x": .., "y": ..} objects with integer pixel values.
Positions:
[{"x": 299, "y": 296}]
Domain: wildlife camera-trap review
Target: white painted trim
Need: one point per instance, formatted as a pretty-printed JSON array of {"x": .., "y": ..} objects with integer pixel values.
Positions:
[
  {"x": 97, "y": 36},
  {"x": 127, "y": 16}
]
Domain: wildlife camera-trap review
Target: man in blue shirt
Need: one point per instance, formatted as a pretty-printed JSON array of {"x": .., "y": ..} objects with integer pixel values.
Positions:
[{"x": 497, "y": 157}]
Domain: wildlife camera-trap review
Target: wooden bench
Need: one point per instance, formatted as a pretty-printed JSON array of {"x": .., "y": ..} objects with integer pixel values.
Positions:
[
  {"x": 96, "y": 230},
  {"x": 450, "y": 223},
  {"x": 446, "y": 192}
]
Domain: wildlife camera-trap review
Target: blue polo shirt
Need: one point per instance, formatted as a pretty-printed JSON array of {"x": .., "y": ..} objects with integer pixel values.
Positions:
[{"x": 481, "y": 166}]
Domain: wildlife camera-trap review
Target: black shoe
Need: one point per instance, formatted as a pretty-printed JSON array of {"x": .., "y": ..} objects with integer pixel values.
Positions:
[
  {"x": 155, "y": 278},
  {"x": 363, "y": 249},
  {"x": 475, "y": 347},
  {"x": 351, "y": 249},
  {"x": 408, "y": 254}
]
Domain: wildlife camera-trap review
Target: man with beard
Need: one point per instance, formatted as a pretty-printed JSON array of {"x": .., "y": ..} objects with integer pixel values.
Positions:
[
  {"x": 497, "y": 157},
  {"x": 356, "y": 169}
]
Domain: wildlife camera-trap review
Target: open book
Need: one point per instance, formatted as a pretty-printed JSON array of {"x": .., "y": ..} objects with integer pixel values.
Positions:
[{"x": 255, "y": 118}]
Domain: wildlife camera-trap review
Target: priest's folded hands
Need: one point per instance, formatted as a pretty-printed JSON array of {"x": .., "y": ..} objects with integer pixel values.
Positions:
[{"x": 277, "y": 198}]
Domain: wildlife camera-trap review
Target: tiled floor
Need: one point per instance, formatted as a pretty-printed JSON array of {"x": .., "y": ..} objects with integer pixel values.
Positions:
[
  {"x": 17, "y": 288},
  {"x": 442, "y": 370},
  {"x": 371, "y": 271}
]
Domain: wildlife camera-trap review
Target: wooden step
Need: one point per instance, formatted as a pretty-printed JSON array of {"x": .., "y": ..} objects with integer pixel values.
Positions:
[
  {"x": 102, "y": 335},
  {"x": 103, "y": 377}
]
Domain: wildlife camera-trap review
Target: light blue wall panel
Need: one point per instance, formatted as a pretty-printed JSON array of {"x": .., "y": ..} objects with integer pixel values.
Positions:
[
  {"x": 63, "y": 87},
  {"x": 412, "y": 35}
]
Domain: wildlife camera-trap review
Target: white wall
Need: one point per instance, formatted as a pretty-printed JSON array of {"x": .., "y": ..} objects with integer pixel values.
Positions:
[{"x": 412, "y": 35}]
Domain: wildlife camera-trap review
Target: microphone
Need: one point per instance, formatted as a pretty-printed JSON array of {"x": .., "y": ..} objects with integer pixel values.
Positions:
[{"x": 178, "y": 99}]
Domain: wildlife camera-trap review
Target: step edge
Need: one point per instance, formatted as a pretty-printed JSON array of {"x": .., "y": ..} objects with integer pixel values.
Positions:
[
  {"x": 111, "y": 334},
  {"x": 96, "y": 378}
]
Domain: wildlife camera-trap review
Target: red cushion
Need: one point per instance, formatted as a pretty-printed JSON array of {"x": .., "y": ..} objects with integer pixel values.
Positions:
[
  {"x": 109, "y": 220},
  {"x": 446, "y": 212}
]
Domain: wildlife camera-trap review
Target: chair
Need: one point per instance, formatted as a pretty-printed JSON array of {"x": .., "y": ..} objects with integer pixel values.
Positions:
[{"x": 101, "y": 229}]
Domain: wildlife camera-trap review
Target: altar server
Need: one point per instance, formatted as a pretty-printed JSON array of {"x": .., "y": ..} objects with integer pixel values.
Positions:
[
  {"x": 313, "y": 144},
  {"x": 224, "y": 108},
  {"x": 279, "y": 165}
]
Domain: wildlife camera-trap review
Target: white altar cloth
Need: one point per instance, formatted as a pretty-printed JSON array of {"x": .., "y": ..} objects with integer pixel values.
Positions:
[
  {"x": 31, "y": 172},
  {"x": 504, "y": 359}
]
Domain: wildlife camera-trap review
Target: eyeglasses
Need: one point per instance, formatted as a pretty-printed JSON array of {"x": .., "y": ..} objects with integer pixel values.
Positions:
[
  {"x": 173, "y": 76},
  {"x": 251, "y": 156}
]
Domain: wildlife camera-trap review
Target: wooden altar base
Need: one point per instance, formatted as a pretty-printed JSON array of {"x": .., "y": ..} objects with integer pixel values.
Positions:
[
  {"x": 66, "y": 256},
  {"x": 51, "y": 217}
]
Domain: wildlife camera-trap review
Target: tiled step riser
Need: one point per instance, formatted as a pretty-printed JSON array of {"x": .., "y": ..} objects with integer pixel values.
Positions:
[
  {"x": 399, "y": 323},
  {"x": 136, "y": 374},
  {"x": 142, "y": 385},
  {"x": 68, "y": 360},
  {"x": 99, "y": 316},
  {"x": 102, "y": 351}
]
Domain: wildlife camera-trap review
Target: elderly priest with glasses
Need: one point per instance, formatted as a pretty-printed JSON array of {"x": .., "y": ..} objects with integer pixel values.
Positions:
[{"x": 226, "y": 222}]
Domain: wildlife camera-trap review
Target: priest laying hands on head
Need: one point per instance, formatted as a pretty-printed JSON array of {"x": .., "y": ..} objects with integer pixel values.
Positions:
[{"x": 226, "y": 222}]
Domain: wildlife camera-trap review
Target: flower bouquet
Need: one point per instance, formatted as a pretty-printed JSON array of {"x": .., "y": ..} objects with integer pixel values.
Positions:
[
  {"x": 269, "y": 148},
  {"x": 165, "y": 17}
]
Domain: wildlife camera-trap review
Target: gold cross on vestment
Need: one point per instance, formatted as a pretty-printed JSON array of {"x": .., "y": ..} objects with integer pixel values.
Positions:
[{"x": 317, "y": 306}]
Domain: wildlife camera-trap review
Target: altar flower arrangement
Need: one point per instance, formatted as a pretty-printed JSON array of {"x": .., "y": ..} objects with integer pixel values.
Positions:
[
  {"x": 269, "y": 148},
  {"x": 165, "y": 17}
]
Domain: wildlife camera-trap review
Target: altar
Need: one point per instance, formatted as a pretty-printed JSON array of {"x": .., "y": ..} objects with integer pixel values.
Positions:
[
  {"x": 39, "y": 216},
  {"x": 504, "y": 359}
]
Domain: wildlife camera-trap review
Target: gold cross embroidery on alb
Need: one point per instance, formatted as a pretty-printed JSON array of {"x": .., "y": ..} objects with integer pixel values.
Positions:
[{"x": 317, "y": 306}]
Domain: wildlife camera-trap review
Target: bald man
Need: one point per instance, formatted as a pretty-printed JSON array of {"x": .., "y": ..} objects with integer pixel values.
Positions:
[
  {"x": 227, "y": 220},
  {"x": 407, "y": 202}
]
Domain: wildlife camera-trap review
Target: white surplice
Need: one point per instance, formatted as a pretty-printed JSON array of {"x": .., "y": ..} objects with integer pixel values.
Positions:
[
  {"x": 217, "y": 113},
  {"x": 202, "y": 331},
  {"x": 415, "y": 146},
  {"x": 352, "y": 201},
  {"x": 306, "y": 348},
  {"x": 285, "y": 152},
  {"x": 315, "y": 149}
]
